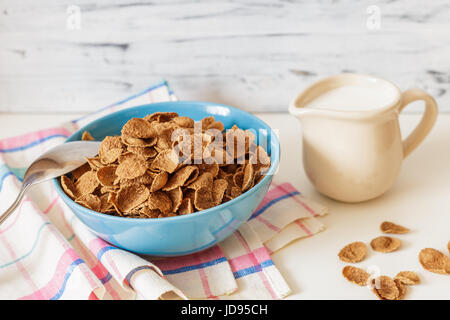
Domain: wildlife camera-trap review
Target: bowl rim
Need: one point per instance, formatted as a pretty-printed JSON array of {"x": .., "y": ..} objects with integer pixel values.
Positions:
[{"x": 271, "y": 171}]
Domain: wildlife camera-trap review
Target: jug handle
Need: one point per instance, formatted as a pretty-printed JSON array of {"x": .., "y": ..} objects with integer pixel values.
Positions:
[{"x": 426, "y": 123}]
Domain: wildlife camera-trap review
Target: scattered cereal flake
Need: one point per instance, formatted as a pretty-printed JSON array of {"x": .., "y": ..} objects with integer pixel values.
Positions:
[
  {"x": 129, "y": 155},
  {"x": 189, "y": 193},
  {"x": 107, "y": 175},
  {"x": 203, "y": 198},
  {"x": 68, "y": 187},
  {"x": 146, "y": 178},
  {"x": 218, "y": 190},
  {"x": 235, "y": 192},
  {"x": 229, "y": 179},
  {"x": 161, "y": 201},
  {"x": 258, "y": 178},
  {"x": 105, "y": 205},
  {"x": 112, "y": 199},
  {"x": 95, "y": 163},
  {"x": 385, "y": 244},
  {"x": 181, "y": 177},
  {"x": 154, "y": 170},
  {"x": 131, "y": 168},
  {"x": 216, "y": 125},
  {"x": 222, "y": 174},
  {"x": 238, "y": 179},
  {"x": 139, "y": 128},
  {"x": 186, "y": 207},
  {"x": 110, "y": 142},
  {"x": 353, "y": 252},
  {"x": 167, "y": 161},
  {"x": 161, "y": 116},
  {"x": 408, "y": 277},
  {"x": 206, "y": 122},
  {"x": 89, "y": 201},
  {"x": 78, "y": 172},
  {"x": 86, "y": 136},
  {"x": 212, "y": 168},
  {"x": 434, "y": 261},
  {"x": 355, "y": 275},
  {"x": 111, "y": 155},
  {"x": 130, "y": 197},
  {"x": 159, "y": 181},
  {"x": 161, "y": 126},
  {"x": 109, "y": 189},
  {"x": 401, "y": 289},
  {"x": 146, "y": 152},
  {"x": 248, "y": 178},
  {"x": 138, "y": 142},
  {"x": 204, "y": 180},
  {"x": 164, "y": 139},
  {"x": 230, "y": 168},
  {"x": 149, "y": 213},
  {"x": 385, "y": 288},
  {"x": 390, "y": 227},
  {"x": 184, "y": 122},
  {"x": 176, "y": 195},
  {"x": 260, "y": 159},
  {"x": 167, "y": 215},
  {"x": 226, "y": 198},
  {"x": 86, "y": 184}
]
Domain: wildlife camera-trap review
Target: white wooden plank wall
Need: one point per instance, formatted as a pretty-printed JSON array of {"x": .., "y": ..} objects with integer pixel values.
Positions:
[{"x": 252, "y": 54}]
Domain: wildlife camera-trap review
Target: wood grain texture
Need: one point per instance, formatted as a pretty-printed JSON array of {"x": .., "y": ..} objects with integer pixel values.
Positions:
[{"x": 252, "y": 54}]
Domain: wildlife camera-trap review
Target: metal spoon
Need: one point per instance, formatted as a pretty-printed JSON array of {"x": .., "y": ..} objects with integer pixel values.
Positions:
[{"x": 57, "y": 161}]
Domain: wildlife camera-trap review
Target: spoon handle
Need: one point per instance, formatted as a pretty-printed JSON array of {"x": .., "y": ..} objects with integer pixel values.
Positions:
[{"x": 14, "y": 205}]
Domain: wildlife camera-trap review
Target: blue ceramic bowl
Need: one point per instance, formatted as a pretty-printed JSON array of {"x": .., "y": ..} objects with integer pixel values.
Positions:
[{"x": 182, "y": 234}]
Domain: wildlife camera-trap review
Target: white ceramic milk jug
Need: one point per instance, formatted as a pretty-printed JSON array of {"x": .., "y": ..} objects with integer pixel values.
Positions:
[{"x": 352, "y": 146}]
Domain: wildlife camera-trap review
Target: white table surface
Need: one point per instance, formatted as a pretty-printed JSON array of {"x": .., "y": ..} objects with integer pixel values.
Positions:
[{"x": 420, "y": 200}]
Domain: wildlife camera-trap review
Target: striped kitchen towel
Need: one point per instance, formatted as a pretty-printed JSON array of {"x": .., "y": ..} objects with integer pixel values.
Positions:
[{"x": 47, "y": 253}]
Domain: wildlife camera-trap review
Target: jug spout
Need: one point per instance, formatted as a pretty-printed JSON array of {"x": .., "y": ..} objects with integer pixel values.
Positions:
[
  {"x": 298, "y": 112},
  {"x": 302, "y": 113}
]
